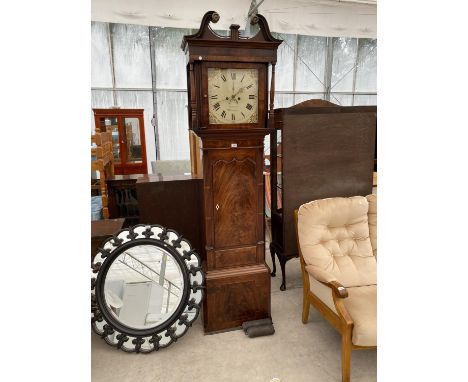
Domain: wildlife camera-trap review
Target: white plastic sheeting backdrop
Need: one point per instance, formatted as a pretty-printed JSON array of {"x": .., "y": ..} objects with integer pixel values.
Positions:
[
  {"x": 301, "y": 73},
  {"x": 320, "y": 17},
  {"x": 169, "y": 13},
  {"x": 306, "y": 17}
]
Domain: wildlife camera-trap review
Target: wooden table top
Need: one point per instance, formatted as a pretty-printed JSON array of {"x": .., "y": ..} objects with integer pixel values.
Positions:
[
  {"x": 166, "y": 178},
  {"x": 106, "y": 227}
]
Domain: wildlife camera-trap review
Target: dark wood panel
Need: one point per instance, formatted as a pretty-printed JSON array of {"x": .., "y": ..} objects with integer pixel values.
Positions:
[
  {"x": 102, "y": 230},
  {"x": 277, "y": 226},
  {"x": 173, "y": 202},
  {"x": 235, "y": 296},
  {"x": 235, "y": 257},
  {"x": 326, "y": 151},
  {"x": 123, "y": 198},
  {"x": 234, "y": 202},
  {"x": 328, "y": 155}
]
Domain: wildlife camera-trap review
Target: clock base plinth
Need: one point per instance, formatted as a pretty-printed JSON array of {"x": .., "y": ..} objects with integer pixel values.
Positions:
[{"x": 236, "y": 295}]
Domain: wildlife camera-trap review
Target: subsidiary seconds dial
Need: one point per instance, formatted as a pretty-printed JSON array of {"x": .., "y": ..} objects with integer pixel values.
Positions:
[{"x": 232, "y": 95}]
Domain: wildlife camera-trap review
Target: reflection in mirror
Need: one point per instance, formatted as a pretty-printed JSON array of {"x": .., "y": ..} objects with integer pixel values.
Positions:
[
  {"x": 143, "y": 287},
  {"x": 153, "y": 289}
]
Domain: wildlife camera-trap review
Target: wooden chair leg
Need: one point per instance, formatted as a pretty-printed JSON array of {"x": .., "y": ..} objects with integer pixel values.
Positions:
[
  {"x": 305, "y": 308},
  {"x": 346, "y": 349}
]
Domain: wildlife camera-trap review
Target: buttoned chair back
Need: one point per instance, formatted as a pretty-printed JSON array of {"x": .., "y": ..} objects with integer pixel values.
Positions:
[{"x": 334, "y": 238}]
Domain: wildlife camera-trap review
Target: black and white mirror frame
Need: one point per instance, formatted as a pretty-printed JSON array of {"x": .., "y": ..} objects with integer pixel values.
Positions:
[{"x": 129, "y": 339}]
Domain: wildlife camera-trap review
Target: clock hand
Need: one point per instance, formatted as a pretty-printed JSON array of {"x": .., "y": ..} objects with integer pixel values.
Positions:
[
  {"x": 233, "y": 97},
  {"x": 239, "y": 91}
]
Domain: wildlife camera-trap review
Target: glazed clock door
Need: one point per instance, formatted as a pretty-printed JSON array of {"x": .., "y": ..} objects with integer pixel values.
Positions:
[
  {"x": 234, "y": 95},
  {"x": 234, "y": 200}
]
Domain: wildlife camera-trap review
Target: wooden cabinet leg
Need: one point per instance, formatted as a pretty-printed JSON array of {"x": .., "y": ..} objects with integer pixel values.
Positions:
[
  {"x": 346, "y": 356},
  {"x": 283, "y": 273},
  {"x": 272, "y": 253}
]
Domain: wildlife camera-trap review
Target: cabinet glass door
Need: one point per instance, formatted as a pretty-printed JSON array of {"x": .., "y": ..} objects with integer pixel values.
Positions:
[
  {"x": 133, "y": 140},
  {"x": 111, "y": 124}
]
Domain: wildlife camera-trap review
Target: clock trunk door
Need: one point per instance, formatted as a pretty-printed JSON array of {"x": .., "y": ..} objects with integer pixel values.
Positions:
[{"x": 234, "y": 200}]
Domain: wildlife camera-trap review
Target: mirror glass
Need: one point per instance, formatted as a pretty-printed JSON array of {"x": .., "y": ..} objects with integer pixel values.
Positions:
[{"x": 143, "y": 286}]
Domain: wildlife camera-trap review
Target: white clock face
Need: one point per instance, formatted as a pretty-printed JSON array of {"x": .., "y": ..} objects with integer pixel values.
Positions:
[{"x": 232, "y": 95}]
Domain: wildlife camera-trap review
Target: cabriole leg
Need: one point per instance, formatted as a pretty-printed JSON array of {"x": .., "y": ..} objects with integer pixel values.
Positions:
[
  {"x": 272, "y": 253},
  {"x": 283, "y": 273}
]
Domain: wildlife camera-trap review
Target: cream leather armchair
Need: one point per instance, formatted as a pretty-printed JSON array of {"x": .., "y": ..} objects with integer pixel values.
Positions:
[{"x": 337, "y": 242}]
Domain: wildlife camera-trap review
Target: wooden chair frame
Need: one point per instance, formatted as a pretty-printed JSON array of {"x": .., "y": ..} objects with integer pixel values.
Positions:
[
  {"x": 104, "y": 163},
  {"x": 342, "y": 321}
]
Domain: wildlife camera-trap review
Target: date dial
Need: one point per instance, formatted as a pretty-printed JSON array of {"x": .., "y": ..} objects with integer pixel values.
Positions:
[{"x": 232, "y": 95}]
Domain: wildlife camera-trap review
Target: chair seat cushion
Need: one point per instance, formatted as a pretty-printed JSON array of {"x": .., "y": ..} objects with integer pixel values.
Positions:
[{"x": 361, "y": 304}]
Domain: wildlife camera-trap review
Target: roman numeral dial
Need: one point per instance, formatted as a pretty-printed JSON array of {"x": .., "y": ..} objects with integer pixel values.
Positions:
[{"x": 232, "y": 96}]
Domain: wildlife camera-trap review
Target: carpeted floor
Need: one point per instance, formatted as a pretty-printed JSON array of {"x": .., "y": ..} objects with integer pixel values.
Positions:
[{"x": 295, "y": 353}]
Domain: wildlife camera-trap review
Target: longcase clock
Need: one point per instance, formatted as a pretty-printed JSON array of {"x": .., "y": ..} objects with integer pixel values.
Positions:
[{"x": 227, "y": 79}]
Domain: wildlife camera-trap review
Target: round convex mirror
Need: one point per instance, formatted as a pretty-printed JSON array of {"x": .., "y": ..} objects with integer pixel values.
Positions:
[
  {"x": 143, "y": 287},
  {"x": 147, "y": 288}
]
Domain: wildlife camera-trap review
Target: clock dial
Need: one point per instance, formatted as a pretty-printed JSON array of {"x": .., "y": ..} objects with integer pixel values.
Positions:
[{"x": 232, "y": 95}]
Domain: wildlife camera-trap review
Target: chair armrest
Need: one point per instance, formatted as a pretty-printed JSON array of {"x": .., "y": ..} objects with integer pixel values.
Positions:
[
  {"x": 338, "y": 290},
  {"x": 339, "y": 294},
  {"x": 327, "y": 279}
]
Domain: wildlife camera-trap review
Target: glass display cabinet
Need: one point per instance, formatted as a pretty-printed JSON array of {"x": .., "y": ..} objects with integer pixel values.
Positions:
[{"x": 128, "y": 138}]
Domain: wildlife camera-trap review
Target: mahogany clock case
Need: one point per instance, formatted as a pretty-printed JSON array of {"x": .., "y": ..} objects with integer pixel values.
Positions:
[{"x": 237, "y": 277}]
